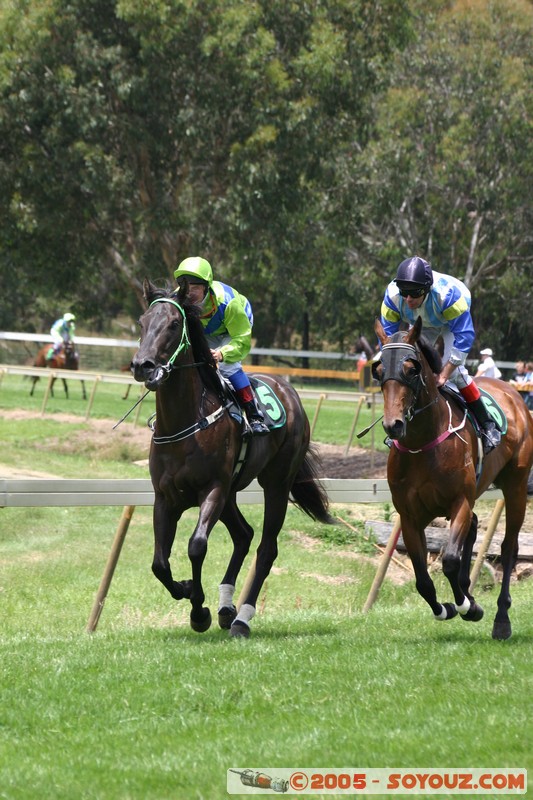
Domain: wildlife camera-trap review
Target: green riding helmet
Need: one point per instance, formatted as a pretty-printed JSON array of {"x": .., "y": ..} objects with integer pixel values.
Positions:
[
  {"x": 196, "y": 267},
  {"x": 69, "y": 317}
]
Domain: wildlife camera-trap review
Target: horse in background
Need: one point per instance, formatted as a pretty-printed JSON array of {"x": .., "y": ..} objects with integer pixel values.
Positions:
[
  {"x": 436, "y": 468},
  {"x": 66, "y": 358}
]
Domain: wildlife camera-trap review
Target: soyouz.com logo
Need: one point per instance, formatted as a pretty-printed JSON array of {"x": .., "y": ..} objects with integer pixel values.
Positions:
[{"x": 377, "y": 781}]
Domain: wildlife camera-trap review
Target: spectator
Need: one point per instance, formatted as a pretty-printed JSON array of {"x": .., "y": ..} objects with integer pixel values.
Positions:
[
  {"x": 529, "y": 380},
  {"x": 487, "y": 368},
  {"x": 520, "y": 373}
]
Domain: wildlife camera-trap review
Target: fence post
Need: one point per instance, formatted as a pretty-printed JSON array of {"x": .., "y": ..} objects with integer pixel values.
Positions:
[
  {"x": 320, "y": 400},
  {"x": 485, "y": 544},
  {"x": 354, "y": 423},
  {"x": 105, "y": 583}
]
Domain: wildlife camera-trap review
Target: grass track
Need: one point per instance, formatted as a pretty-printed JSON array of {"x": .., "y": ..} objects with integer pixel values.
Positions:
[{"x": 146, "y": 709}]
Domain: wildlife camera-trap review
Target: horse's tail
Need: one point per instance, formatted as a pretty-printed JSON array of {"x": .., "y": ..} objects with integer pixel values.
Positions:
[{"x": 307, "y": 491}]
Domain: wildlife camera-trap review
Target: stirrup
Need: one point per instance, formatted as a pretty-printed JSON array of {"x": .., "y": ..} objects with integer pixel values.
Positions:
[
  {"x": 258, "y": 426},
  {"x": 491, "y": 437}
]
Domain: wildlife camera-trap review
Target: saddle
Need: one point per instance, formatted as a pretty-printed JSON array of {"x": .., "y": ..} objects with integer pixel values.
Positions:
[
  {"x": 267, "y": 400},
  {"x": 450, "y": 391}
]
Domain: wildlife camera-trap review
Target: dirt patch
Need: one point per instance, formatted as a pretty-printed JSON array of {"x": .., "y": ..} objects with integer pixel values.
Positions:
[{"x": 98, "y": 436}]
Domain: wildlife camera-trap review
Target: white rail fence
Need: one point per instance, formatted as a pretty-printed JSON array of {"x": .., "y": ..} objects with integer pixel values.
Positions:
[{"x": 131, "y": 492}]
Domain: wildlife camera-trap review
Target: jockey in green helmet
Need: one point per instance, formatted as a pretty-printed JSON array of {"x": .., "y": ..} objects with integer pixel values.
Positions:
[
  {"x": 227, "y": 319},
  {"x": 62, "y": 331}
]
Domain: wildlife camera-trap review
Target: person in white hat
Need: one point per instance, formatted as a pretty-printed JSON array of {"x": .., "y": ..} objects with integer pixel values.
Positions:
[{"x": 487, "y": 368}]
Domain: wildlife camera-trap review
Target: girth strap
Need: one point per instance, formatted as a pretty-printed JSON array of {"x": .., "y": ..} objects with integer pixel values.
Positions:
[{"x": 201, "y": 425}]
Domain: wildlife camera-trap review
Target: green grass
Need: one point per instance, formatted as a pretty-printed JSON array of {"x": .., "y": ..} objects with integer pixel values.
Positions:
[{"x": 146, "y": 709}]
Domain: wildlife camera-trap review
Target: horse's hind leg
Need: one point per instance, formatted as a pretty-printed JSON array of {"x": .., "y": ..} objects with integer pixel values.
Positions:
[
  {"x": 65, "y": 387},
  {"x": 515, "y": 510},
  {"x": 475, "y": 612},
  {"x": 276, "y": 502},
  {"x": 241, "y": 535}
]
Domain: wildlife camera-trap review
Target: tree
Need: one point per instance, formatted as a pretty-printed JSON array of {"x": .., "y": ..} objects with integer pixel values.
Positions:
[
  {"x": 133, "y": 134},
  {"x": 447, "y": 172}
]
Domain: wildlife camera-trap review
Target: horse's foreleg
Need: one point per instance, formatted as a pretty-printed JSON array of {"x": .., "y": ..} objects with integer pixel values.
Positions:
[
  {"x": 415, "y": 543},
  {"x": 456, "y": 561},
  {"x": 241, "y": 535},
  {"x": 165, "y": 523},
  {"x": 65, "y": 387},
  {"x": 211, "y": 507},
  {"x": 83, "y": 392}
]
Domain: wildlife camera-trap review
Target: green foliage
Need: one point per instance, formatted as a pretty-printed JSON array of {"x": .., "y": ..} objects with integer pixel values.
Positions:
[{"x": 304, "y": 148}]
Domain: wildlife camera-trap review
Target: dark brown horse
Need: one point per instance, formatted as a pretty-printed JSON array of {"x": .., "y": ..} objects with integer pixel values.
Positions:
[
  {"x": 195, "y": 459},
  {"x": 433, "y": 465},
  {"x": 66, "y": 358}
]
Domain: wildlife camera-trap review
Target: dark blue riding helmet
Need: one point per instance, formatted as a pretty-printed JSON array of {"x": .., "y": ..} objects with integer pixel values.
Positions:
[{"x": 414, "y": 272}]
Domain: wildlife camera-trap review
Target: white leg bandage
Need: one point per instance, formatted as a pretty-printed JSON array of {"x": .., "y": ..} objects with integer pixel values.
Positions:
[
  {"x": 443, "y": 613},
  {"x": 464, "y": 607},
  {"x": 245, "y": 614},
  {"x": 225, "y": 595}
]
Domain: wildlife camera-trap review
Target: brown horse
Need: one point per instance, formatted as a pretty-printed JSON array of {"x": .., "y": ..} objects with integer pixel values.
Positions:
[
  {"x": 198, "y": 458},
  {"x": 435, "y": 469},
  {"x": 66, "y": 358}
]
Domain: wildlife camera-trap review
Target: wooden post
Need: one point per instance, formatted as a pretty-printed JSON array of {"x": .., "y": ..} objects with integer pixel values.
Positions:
[
  {"x": 383, "y": 565},
  {"x": 354, "y": 423},
  {"x": 320, "y": 401},
  {"x": 47, "y": 391},
  {"x": 105, "y": 583},
  {"x": 487, "y": 539},
  {"x": 91, "y": 398},
  {"x": 247, "y": 583}
]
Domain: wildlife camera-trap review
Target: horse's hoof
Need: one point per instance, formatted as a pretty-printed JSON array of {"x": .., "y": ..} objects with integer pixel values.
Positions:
[
  {"x": 226, "y": 615},
  {"x": 204, "y": 623},
  {"x": 181, "y": 589},
  {"x": 239, "y": 630},
  {"x": 474, "y": 613},
  {"x": 501, "y": 630}
]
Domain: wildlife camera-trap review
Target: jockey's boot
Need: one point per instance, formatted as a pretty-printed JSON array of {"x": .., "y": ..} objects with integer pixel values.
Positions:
[
  {"x": 490, "y": 435},
  {"x": 255, "y": 418}
]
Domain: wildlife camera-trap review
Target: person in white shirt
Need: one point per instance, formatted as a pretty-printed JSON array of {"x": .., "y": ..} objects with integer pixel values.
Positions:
[{"x": 487, "y": 367}]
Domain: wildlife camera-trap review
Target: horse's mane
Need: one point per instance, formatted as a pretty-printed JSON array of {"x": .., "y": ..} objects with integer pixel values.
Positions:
[{"x": 431, "y": 355}]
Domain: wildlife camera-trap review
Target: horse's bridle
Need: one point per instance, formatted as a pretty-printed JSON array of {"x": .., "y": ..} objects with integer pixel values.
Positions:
[
  {"x": 165, "y": 371},
  {"x": 184, "y": 341},
  {"x": 393, "y": 357}
]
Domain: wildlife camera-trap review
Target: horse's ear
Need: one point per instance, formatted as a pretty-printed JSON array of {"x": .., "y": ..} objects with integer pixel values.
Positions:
[
  {"x": 148, "y": 290},
  {"x": 380, "y": 333},
  {"x": 413, "y": 334},
  {"x": 182, "y": 289}
]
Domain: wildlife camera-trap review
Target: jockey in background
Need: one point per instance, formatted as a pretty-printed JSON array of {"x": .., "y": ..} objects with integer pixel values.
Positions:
[
  {"x": 443, "y": 302},
  {"x": 62, "y": 331},
  {"x": 227, "y": 319}
]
